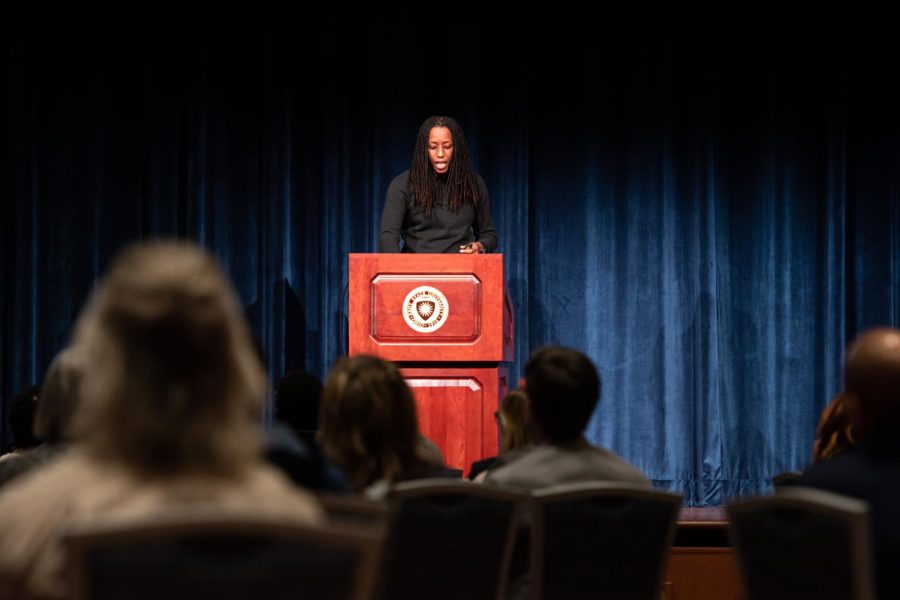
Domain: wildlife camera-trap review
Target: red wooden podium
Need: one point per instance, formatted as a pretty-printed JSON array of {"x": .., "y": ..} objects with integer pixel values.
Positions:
[{"x": 446, "y": 321}]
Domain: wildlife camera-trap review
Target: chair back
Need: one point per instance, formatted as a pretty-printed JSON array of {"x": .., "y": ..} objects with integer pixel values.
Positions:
[
  {"x": 603, "y": 540},
  {"x": 449, "y": 539},
  {"x": 188, "y": 555},
  {"x": 354, "y": 510},
  {"x": 802, "y": 543},
  {"x": 786, "y": 478}
]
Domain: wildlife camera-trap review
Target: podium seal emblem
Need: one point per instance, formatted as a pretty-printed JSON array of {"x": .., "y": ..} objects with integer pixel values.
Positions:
[{"x": 425, "y": 309}]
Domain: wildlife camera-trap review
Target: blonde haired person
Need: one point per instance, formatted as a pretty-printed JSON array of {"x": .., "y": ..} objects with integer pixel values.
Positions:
[
  {"x": 168, "y": 416},
  {"x": 516, "y": 434},
  {"x": 369, "y": 426}
]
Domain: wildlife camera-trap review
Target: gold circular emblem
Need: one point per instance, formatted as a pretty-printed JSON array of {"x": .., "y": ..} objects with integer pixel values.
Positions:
[{"x": 425, "y": 309}]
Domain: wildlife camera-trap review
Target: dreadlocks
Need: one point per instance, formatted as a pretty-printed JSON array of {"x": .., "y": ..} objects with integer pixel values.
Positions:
[{"x": 460, "y": 179}]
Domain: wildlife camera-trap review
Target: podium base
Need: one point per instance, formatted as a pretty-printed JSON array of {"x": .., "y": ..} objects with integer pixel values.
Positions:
[{"x": 456, "y": 407}]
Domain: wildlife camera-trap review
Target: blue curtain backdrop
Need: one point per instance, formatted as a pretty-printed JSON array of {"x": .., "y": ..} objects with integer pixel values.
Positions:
[{"x": 704, "y": 203}]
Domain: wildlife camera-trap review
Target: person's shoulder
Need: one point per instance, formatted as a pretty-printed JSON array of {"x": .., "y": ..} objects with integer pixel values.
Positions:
[
  {"x": 401, "y": 180},
  {"x": 268, "y": 490},
  {"x": 619, "y": 468},
  {"x": 846, "y": 466},
  {"x": 280, "y": 438},
  {"x": 44, "y": 491},
  {"x": 523, "y": 469},
  {"x": 481, "y": 466},
  {"x": 398, "y": 190},
  {"x": 20, "y": 463},
  {"x": 533, "y": 455}
]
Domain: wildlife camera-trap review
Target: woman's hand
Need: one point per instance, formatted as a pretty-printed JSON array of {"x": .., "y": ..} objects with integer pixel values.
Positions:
[{"x": 473, "y": 248}]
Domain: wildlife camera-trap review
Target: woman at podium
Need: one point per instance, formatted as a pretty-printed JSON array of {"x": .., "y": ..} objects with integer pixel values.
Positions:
[{"x": 439, "y": 205}]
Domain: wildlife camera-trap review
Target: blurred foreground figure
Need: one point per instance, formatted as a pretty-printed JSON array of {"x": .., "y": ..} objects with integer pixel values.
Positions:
[
  {"x": 870, "y": 470},
  {"x": 168, "y": 416}
]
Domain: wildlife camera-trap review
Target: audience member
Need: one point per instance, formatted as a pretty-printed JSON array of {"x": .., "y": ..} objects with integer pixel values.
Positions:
[
  {"x": 370, "y": 427},
  {"x": 168, "y": 416},
  {"x": 563, "y": 389},
  {"x": 56, "y": 404},
  {"x": 870, "y": 470},
  {"x": 298, "y": 398},
  {"x": 834, "y": 433},
  {"x": 516, "y": 436},
  {"x": 291, "y": 443},
  {"x": 25, "y": 442},
  {"x": 21, "y": 421},
  {"x": 430, "y": 451}
]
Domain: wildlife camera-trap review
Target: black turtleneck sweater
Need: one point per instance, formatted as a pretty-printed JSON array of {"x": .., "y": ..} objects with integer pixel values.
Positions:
[{"x": 443, "y": 232}]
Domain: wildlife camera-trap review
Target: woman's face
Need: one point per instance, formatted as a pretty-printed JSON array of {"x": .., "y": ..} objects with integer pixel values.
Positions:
[{"x": 440, "y": 149}]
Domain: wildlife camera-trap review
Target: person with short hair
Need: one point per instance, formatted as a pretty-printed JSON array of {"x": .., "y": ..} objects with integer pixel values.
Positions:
[
  {"x": 292, "y": 444},
  {"x": 563, "y": 388}
]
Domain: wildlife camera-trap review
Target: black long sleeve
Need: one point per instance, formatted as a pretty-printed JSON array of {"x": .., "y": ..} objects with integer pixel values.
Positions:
[{"x": 444, "y": 231}]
